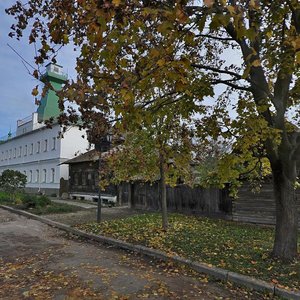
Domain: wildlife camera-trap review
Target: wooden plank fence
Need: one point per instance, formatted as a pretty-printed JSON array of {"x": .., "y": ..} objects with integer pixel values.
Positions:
[
  {"x": 256, "y": 207},
  {"x": 182, "y": 198},
  {"x": 249, "y": 207}
]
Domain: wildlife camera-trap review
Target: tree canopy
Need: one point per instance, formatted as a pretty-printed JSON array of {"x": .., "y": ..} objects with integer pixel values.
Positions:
[
  {"x": 11, "y": 181},
  {"x": 138, "y": 56}
]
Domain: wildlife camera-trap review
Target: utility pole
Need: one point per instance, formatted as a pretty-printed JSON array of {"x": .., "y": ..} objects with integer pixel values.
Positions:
[
  {"x": 99, "y": 206},
  {"x": 103, "y": 145}
]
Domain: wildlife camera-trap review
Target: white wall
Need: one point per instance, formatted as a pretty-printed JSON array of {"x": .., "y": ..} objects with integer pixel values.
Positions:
[
  {"x": 10, "y": 151},
  {"x": 46, "y": 155},
  {"x": 72, "y": 144}
]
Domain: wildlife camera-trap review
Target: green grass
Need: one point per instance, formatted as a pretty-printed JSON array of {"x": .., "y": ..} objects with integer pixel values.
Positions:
[
  {"x": 4, "y": 199},
  {"x": 54, "y": 208},
  {"x": 39, "y": 205},
  {"x": 238, "y": 247}
]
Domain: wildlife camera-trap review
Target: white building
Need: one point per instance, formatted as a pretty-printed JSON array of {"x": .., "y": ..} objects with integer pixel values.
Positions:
[{"x": 38, "y": 151}]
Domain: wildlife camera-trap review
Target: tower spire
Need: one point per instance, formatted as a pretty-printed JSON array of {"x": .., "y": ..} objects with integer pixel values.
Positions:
[{"x": 48, "y": 107}]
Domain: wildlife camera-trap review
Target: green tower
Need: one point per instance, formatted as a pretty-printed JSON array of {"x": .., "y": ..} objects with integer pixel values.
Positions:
[{"x": 49, "y": 103}]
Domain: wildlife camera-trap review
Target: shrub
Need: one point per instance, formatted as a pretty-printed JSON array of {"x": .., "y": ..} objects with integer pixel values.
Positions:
[
  {"x": 32, "y": 201},
  {"x": 11, "y": 181},
  {"x": 4, "y": 198}
]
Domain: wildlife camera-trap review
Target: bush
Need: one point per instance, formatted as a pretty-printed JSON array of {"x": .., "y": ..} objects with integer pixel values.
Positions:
[
  {"x": 5, "y": 198},
  {"x": 11, "y": 181},
  {"x": 32, "y": 201}
]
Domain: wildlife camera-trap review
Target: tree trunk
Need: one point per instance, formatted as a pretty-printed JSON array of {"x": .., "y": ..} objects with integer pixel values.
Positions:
[
  {"x": 163, "y": 193},
  {"x": 99, "y": 203},
  {"x": 120, "y": 193},
  {"x": 130, "y": 195},
  {"x": 286, "y": 230}
]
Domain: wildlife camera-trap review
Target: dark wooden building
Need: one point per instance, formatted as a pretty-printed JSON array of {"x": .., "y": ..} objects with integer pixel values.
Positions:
[{"x": 84, "y": 177}]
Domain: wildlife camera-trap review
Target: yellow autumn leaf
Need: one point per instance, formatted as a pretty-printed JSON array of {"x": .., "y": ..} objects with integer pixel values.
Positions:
[
  {"x": 209, "y": 3},
  {"x": 231, "y": 9},
  {"x": 256, "y": 63},
  {"x": 161, "y": 62},
  {"x": 254, "y": 4},
  {"x": 154, "y": 52},
  {"x": 35, "y": 91},
  {"x": 181, "y": 16},
  {"x": 116, "y": 2}
]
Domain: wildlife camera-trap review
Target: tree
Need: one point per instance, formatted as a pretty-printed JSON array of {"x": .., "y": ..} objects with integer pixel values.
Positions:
[
  {"x": 11, "y": 181},
  {"x": 130, "y": 49},
  {"x": 153, "y": 150}
]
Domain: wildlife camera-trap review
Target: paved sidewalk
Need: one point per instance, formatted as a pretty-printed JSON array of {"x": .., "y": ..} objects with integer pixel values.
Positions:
[
  {"x": 40, "y": 262},
  {"x": 90, "y": 215},
  {"x": 75, "y": 203}
]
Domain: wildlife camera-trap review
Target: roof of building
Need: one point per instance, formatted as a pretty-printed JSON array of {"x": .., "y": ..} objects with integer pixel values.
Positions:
[{"x": 92, "y": 155}]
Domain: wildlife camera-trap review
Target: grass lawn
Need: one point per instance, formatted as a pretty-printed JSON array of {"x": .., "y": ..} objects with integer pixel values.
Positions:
[
  {"x": 54, "y": 208},
  {"x": 41, "y": 208},
  {"x": 238, "y": 247}
]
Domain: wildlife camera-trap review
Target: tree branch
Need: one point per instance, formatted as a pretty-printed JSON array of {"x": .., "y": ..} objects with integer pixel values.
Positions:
[
  {"x": 229, "y": 83},
  {"x": 236, "y": 75},
  {"x": 215, "y": 37},
  {"x": 295, "y": 15}
]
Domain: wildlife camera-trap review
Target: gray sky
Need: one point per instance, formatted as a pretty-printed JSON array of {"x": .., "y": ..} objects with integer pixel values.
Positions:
[{"x": 16, "y": 101}]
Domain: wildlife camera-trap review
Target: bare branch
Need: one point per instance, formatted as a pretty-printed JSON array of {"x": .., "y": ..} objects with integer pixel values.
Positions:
[
  {"x": 238, "y": 76},
  {"x": 229, "y": 83},
  {"x": 214, "y": 37}
]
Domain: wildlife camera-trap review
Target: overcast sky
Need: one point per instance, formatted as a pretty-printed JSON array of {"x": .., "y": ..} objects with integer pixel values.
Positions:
[{"x": 16, "y": 84}]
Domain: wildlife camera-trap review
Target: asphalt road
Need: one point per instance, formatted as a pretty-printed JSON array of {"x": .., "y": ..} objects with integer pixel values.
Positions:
[{"x": 40, "y": 262}]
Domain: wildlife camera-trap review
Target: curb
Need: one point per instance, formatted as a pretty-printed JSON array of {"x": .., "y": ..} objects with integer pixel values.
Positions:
[{"x": 218, "y": 273}]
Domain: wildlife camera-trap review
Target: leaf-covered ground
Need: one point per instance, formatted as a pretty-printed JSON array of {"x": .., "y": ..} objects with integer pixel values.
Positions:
[
  {"x": 238, "y": 247},
  {"x": 40, "y": 262}
]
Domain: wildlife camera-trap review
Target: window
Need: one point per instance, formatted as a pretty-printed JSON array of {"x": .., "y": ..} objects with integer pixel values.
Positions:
[
  {"x": 84, "y": 177},
  {"x": 2, "y": 156},
  {"x": 44, "y": 175},
  {"x": 31, "y": 149},
  {"x": 52, "y": 175},
  {"x": 53, "y": 143},
  {"x": 6, "y": 154},
  {"x": 38, "y": 147},
  {"x": 10, "y": 154},
  {"x": 20, "y": 151},
  {"x": 30, "y": 176},
  {"x": 25, "y": 150},
  {"x": 37, "y": 179},
  {"x": 15, "y": 152},
  {"x": 25, "y": 173},
  {"x": 76, "y": 178},
  {"x": 45, "y": 145}
]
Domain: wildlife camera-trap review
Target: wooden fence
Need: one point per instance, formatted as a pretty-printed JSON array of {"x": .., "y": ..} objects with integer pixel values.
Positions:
[
  {"x": 256, "y": 207},
  {"x": 249, "y": 207},
  {"x": 212, "y": 202}
]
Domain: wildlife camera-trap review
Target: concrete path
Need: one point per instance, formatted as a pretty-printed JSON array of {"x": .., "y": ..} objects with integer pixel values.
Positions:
[
  {"x": 40, "y": 262},
  {"x": 90, "y": 215},
  {"x": 75, "y": 203}
]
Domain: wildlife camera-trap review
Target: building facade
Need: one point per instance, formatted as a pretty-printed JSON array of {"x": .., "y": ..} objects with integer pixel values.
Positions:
[{"x": 38, "y": 151}]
